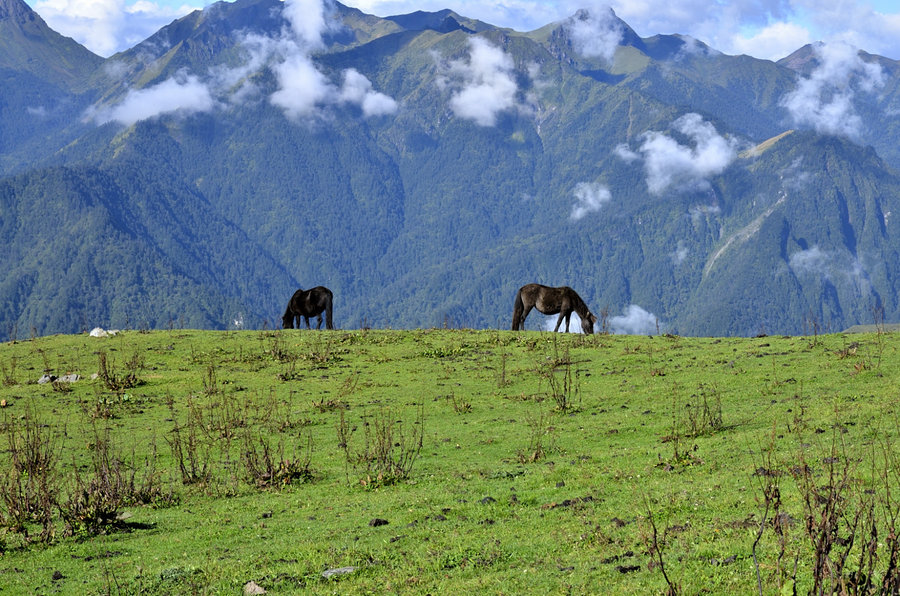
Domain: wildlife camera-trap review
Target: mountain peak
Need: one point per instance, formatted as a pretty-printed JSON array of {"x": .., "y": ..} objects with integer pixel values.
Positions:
[
  {"x": 801, "y": 60},
  {"x": 442, "y": 21},
  {"x": 16, "y": 10},
  {"x": 28, "y": 44}
]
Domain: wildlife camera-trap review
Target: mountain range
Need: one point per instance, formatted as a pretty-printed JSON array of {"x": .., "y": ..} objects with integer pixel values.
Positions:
[{"x": 424, "y": 166}]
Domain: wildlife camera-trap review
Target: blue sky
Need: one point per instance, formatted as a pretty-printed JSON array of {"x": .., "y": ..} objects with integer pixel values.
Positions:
[{"x": 768, "y": 29}]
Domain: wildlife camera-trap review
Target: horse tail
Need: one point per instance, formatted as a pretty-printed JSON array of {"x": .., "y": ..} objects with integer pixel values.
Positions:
[
  {"x": 328, "y": 301},
  {"x": 518, "y": 310}
]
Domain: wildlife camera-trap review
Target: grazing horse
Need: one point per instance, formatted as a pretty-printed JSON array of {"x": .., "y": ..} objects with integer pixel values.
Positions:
[
  {"x": 306, "y": 304},
  {"x": 551, "y": 301}
]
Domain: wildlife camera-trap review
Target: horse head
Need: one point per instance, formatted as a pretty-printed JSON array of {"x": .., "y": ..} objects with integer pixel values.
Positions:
[{"x": 587, "y": 323}]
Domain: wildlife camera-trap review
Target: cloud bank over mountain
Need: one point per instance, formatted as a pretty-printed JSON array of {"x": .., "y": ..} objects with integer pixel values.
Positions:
[
  {"x": 768, "y": 29},
  {"x": 824, "y": 99},
  {"x": 303, "y": 92}
]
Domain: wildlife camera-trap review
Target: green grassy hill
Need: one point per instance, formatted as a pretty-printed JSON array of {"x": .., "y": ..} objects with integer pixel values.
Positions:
[{"x": 446, "y": 461}]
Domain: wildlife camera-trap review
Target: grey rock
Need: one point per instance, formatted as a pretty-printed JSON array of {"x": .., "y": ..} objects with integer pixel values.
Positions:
[{"x": 338, "y": 571}]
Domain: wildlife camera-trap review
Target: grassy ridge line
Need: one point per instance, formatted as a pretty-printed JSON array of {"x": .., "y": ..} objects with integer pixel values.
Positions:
[{"x": 509, "y": 493}]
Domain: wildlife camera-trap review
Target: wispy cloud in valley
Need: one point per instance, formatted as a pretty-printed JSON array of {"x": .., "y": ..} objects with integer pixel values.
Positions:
[
  {"x": 838, "y": 267},
  {"x": 699, "y": 212},
  {"x": 680, "y": 254},
  {"x": 635, "y": 321},
  {"x": 590, "y": 198},
  {"x": 182, "y": 95},
  {"x": 669, "y": 164}
]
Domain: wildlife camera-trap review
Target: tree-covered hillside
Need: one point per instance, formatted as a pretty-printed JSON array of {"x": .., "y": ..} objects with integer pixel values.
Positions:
[{"x": 425, "y": 166}]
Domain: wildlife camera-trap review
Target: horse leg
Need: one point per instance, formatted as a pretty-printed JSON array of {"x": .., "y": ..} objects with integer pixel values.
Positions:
[
  {"x": 559, "y": 322},
  {"x": 319, "y": 324},
  {"x": 524, "y": 316},
  {"x": 518, "y": 307},
  {"x": 307, "y": 322}
]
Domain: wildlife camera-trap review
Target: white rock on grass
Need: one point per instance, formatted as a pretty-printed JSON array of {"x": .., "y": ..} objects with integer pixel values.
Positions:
[
  {"x": 101, "y": 332},
  {"x": 252, "y": 587}
]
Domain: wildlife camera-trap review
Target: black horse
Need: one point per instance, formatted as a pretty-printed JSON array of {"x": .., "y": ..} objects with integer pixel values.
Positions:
[
  {"x": 306, "y": 304},
  {"x": 551, "y": 301}
]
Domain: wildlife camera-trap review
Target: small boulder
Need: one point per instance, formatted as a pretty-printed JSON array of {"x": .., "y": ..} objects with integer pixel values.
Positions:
[
  {"x": 101, "y": 332},
  {"x": 338, "y": 571},
  {"x": 251, "y": 588}
]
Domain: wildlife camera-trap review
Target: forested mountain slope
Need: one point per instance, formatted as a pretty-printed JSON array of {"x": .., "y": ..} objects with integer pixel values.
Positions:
[{"x": 425, "y": 166}]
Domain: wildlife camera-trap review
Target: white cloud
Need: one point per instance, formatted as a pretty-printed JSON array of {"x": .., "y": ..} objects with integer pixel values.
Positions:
[
  {"x": 794, "y": 177},
  {"x": 871, "y": 25},
  {"x": 635, "y": 321},
  {"x": 812, "y": 260},
  {"x": 484, "y": 85},
  {"x": 302, "y": 87},
  {"x": 824, "y": 99},
  {"x": 839, "y": 267},
  {"x": 761, "y": 28},
  {"x": 668, "y": 163},
  {"x": 624, "y": 152},
  {"x": 258, "y": 51},
  {"x": 680, "y": 254},
  {"x": 308, "y": 22},
  {"x": 590, "y": 197},
  {"x": 182, "y": 95},
  {"x": 773, "y": 42},
  {"x": 357, "y": 89},
  {"x": 303, "y": 90},
  {"x": 698, "y": 212},
  {"x": 109, "y": 26},
  {"x": 595, "y": 32}
]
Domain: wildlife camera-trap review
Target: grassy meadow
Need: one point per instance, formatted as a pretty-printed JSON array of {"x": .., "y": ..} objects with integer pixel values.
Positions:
[{"x": 448, "y": 461}]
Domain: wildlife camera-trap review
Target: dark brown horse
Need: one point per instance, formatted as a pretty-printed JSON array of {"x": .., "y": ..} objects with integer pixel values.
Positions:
[
  {"x": 551, "y": 301},
  {"x": 306, "y": 304}
]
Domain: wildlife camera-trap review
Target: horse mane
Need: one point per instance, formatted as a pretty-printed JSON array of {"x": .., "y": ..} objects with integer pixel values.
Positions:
[{"x": 579, "y": 305}]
